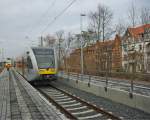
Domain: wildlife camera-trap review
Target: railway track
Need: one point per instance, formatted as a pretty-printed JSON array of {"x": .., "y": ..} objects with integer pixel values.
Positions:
[{"x": 74, "y": 107}]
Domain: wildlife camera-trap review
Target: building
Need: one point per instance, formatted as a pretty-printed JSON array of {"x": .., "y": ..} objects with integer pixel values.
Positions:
[
  {"x": 135, "y": 49},
  {"x": 98, "y": 58},
  {"x": 147, "y": 49}
]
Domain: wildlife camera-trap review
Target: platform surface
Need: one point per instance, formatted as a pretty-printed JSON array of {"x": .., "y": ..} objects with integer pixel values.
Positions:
[{"x": 20, "y": 101}]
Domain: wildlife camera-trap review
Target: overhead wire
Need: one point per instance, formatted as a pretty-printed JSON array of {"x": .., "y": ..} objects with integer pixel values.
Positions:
[
  {"x": 58, "y": 15},
  {"x": 45, "y": 13}
]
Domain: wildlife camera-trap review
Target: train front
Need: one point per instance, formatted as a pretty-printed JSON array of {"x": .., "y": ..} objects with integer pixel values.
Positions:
[{"x": 46, "y": 63}]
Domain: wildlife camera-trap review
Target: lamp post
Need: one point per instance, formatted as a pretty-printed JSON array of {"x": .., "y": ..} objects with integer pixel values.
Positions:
[
  {"x": 81, "y": 40},
  {"x": 2, "y": 52},
  {"x": 143, "y": 52},
  {"x": 3, "y": 55}
]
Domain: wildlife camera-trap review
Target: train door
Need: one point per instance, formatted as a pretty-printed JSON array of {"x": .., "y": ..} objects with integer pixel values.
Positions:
[{"x": 29, "y": 64}]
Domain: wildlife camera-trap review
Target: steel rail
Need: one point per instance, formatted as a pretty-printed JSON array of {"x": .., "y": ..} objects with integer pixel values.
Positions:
[
  {"x": 83, "y": 102},
  {"x": 62, "y": 109},
  {"x": 98, "y": 109}
]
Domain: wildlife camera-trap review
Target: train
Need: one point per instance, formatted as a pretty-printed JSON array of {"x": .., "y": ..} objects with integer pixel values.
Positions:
[
  {"x": 39, "y": 65},
  {"x": 8, "y": 63}
]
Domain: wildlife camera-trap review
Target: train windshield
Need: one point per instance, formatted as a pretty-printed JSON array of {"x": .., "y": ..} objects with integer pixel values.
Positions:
[{"x": 45, "y": 58}]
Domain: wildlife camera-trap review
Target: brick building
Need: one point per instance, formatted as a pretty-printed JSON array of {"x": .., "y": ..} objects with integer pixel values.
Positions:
[{"x": 98, "y": 57}]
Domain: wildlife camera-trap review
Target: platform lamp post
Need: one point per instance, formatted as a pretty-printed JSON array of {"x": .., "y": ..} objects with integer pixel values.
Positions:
[{"x": 81, "y": 42}]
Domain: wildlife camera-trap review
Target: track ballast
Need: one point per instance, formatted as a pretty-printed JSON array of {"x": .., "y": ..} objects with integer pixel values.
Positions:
[{"x": 74, "y": 107}]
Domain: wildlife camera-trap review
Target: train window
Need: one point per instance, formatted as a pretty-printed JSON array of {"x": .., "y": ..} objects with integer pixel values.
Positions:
[
  {"x": 29, "y": 63},
  {"x": 45, "y": 58},
  {"x": 45, "y": 61},
  {"x": 43, "y": 51}
]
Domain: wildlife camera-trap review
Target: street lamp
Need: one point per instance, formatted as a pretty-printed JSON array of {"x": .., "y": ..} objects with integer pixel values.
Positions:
[{"x": 82, "y": 64}]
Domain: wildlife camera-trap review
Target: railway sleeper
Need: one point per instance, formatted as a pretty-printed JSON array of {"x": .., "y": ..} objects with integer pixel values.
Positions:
[
  {"x": 83, "y": 112},
  {"x": 77, "y": 108},
  {"x": 67, "y": 102},
  {"x": 60, "y": 97},
  {"x": 90, "y": 117},
  {"x": 60, "y": 100},
  {"x": 72, "y": 105},
  {"x": 52, "y": 91}
]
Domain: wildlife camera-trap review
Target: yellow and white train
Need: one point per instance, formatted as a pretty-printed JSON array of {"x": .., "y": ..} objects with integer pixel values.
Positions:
[
  {"x": 8, "y": 63},
  {"x": 40, "y": 64}
]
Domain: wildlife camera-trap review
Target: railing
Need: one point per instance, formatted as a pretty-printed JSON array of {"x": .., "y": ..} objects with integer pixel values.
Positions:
[{"x": 108, "y": 82}]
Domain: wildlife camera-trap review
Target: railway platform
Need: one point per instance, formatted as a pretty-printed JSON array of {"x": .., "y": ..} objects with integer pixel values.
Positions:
[{"x": 20, "y": 101}]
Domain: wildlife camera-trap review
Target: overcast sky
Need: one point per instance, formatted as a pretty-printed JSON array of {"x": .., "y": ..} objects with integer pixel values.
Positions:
[{"x": 22, "y": 21}]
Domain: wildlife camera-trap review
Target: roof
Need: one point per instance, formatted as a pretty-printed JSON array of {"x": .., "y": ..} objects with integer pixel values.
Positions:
[{"x": 135, "y": 32}]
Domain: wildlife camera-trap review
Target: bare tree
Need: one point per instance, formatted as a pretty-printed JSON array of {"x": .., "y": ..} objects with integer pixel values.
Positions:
[
  {"x": 120, "y": 27},
  {"x": 132, "y": 15},
  {"x": 68, "y": 42},
  {"x": 100, "y": 21},
  {"x": 95, "y": 23},
  {"x": 145, "y": 16}
]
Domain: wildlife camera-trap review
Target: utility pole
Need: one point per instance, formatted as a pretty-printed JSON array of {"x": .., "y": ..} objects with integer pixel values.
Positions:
[
  {"x": 41, "y": 41},
  {"x": 82, "y": 61},
  {"x": 3, "y": 54},
  {"x": 143, "y": 62},
  {"x": 106, "y": 67},
  {"x": 59, "y": 53}
]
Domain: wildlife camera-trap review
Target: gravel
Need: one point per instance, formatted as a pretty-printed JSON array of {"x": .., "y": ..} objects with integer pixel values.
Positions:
[{"x": 118, "y": 109}]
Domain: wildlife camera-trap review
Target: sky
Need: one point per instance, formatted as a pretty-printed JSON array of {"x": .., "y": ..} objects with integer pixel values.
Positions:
[{"x": 23, "y": 21}]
